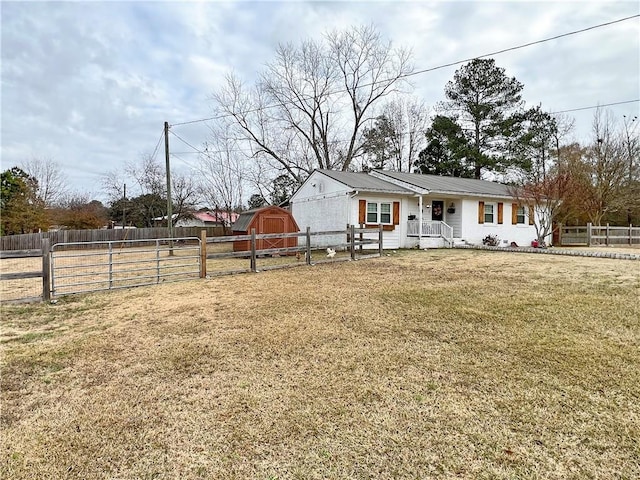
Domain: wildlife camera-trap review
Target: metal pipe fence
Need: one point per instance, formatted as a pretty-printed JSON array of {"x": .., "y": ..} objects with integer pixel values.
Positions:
[
  {"x": 93, "y": 266},
  {"x": 85, "y": 267}
]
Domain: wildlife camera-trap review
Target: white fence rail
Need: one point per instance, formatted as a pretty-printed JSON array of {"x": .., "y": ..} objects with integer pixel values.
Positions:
[{"x": 430, "y": 228}]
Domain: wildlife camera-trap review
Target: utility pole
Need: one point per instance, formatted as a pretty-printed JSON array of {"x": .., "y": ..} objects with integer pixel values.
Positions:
[{"x": 169, "y": 202}]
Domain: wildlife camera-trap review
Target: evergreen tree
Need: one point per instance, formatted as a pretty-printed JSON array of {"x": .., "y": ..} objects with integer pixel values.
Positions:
[
  {"x": 22, "y": 210},
  {"x": 484, "y": 102},
  {"x": 445, "y": 154}
]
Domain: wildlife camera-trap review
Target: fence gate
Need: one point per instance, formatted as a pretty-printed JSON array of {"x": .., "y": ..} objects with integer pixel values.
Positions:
[{"x": 93, "y": 266}]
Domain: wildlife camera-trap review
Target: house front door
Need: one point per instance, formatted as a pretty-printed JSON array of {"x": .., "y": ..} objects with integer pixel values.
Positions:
[{"x": 437, "y": 210}]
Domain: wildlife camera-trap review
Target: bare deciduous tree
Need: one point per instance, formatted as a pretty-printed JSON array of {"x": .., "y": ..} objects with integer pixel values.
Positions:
[
  {"x": 185, "y": 195},
  {"x": 544, "y": 195},
  {"x": 398, "y": 135},
  {"x": 608, "y": 168},
  {"x": 146, "y": 191},
  {"x": 631, "y": 146},
  {"x": 309, "y": 106},
  {"x": 544, "y": 186},
  {"x": 149, "y": 175},
  {"x": 52, "y": 184},
  {"x": 223, "y": 172}
]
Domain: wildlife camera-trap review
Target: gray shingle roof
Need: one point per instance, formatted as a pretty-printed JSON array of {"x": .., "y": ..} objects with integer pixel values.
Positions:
[
  {"x": 244, "y": 219},
  {"x": 438, "y": 184},
  {"x": 364, "y": 182}
]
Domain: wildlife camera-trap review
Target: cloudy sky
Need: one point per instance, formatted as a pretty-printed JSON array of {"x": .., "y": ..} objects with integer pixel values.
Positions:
[{"x": 89, "y": 84}]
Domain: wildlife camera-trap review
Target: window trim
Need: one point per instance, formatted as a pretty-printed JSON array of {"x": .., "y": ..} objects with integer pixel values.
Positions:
[
  {"x": 494, "y": 213},
  {"x": 379, "y": 213}
]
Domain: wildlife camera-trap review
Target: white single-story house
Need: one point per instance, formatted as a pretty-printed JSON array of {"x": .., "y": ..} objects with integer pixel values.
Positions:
[{"x": 428, "y": 211}]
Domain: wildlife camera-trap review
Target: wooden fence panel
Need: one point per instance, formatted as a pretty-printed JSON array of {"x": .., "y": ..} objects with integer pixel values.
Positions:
[
  {"x": 590, "y": 235},
  {"x": 33, "y": 241}
]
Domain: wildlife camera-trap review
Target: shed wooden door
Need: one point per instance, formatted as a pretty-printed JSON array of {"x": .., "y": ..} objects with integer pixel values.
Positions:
[{"x": 272, "y": 224}]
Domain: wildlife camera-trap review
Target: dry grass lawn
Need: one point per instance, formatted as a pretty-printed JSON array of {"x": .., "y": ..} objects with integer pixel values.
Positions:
[{"x": 439, "y": 364}]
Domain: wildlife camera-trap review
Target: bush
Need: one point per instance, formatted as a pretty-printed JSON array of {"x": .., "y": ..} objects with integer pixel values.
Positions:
[{"x": 491, "y": 240}]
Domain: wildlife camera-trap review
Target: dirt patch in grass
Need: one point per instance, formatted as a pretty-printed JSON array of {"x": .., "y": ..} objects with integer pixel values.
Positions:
[{"x": 419, "y": 364}]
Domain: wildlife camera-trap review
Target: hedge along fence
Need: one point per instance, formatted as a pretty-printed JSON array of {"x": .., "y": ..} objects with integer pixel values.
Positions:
[{"x": 354, "y": 242}]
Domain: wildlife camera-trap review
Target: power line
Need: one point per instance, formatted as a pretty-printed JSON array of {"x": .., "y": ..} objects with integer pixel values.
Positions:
[
  {"x": 155, "y": 150},
  {"x": 217, "y": 117},
  {"x": 524, "y": 45},
  {"x": 185, "y": 142},
  {"x": 596, "y": 106},
  {"x": 206, "y": 151},
  {"x": 427, "y": 70},
  {"x": 186, "y": 162},
  {"x": 238, "y": 150}
]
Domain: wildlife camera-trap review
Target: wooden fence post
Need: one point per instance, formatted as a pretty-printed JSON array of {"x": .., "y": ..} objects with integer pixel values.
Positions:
[
  {"x": 203, "y": 253},
  {"x": 46, "y": 270},
  {"x": 308, "y": 250},
  {"x": 380, "y": 235},
  {"x": 630, "y": 234},
  {"x": 559, "y": 235},
  {"x": 589, "y": 234},
  {"x": 352, "y": 241},
  {"x": 607, "y": 236},
  {"x": 253, "y": 251},
  {"x": 361, "y": 237}
]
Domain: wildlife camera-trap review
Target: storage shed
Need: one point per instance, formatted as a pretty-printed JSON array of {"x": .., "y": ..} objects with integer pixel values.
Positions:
[{"x": 270, "y": 219}]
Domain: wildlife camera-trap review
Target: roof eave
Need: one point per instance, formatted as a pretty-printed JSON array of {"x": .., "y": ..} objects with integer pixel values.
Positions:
[
  {"x": 471, "y": 194},
  {"x": 373, "y": 190}
]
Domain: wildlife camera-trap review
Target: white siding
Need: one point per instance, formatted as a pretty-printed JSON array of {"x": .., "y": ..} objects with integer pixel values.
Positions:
[
  {"x": 454, "y": 220},
  {"x": 322, "y": 204},
  {"x": 390, "y": 239},
  {"x": 473, "y": 232}
]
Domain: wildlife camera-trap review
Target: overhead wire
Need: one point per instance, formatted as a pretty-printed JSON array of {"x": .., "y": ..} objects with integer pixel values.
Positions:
[
  {"x": 155, "y": 150},
  {"x": 206, "y": 151},
  {"x": 184, "y": 141},
  {"x": 417, "y": 72},
  {"x": 595, "y": 106},
  {"x": 524, "y": 45},
  {"x": 426, "y": 70}
]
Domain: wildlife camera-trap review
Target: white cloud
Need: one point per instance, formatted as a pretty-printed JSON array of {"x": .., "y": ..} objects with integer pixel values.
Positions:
[{"x": 91, "y": 83}]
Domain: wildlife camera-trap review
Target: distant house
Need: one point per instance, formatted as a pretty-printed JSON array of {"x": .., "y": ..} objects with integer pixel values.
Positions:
[
  {"x": 413, "y": 209},
  {"x": 212, "y": 218}
]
